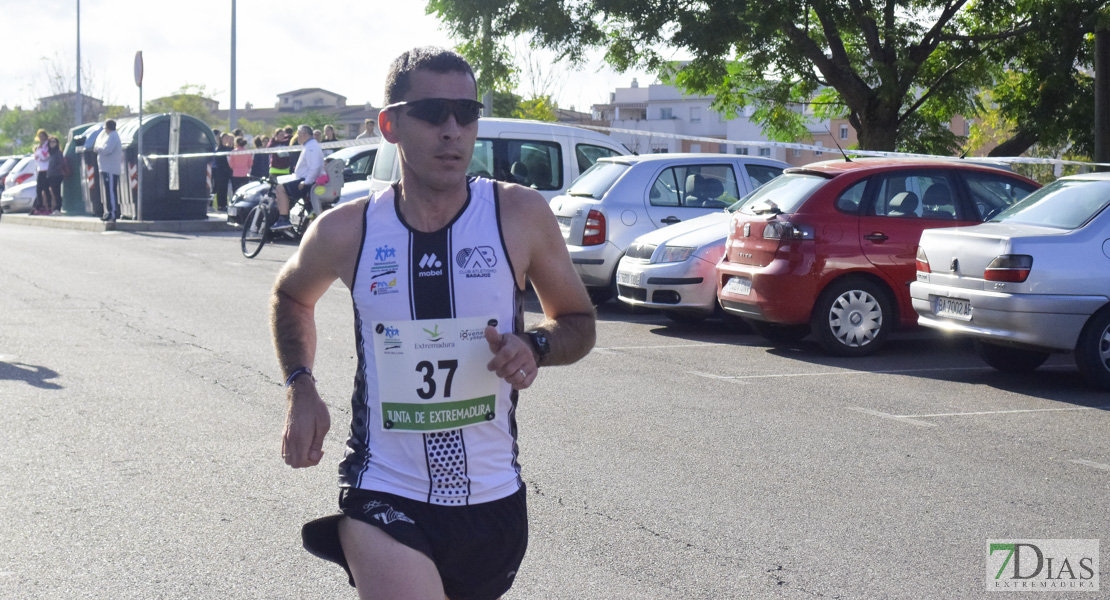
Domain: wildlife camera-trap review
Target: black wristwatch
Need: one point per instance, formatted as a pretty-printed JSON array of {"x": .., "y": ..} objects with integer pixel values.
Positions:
[{"x": 539, "y": 344}]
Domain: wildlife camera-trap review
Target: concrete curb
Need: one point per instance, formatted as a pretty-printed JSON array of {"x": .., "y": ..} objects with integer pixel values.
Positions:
[{"x": 214, "y": 222}]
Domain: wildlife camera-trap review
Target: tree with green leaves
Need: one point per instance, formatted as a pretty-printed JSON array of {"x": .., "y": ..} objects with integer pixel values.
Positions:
[
  {"x": 190, "y": 99},
  {"x": 1045, "y": 94},
  {"x": 312, "y": 118},
  {"x": 898, "y": 70}
]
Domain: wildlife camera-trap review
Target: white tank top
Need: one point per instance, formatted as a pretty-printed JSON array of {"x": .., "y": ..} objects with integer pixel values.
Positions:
[{"x": 401, "y": 275}]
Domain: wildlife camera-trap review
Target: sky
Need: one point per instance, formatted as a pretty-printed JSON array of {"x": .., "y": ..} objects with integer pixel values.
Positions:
[{"x": 344, "y": 46}]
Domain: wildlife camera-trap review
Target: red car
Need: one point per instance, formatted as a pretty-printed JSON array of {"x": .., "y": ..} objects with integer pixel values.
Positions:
[{"x": 830, "y": 247}]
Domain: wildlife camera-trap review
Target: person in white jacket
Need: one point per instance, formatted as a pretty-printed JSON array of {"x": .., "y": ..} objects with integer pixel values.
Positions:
[
  {"x": 298, "y": 184},
  {"x": 109, "y": 157}
]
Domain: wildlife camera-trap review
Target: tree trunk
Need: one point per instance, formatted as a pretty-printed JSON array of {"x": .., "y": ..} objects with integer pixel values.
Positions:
[{"x": 878, "y": 133}]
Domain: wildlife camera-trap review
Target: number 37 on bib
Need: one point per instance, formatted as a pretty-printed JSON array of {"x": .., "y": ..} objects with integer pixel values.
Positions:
[{"x": 432, "y": 374}]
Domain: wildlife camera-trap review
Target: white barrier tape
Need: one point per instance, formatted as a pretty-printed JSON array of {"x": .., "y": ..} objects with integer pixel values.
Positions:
[
  {"x": 274, "y": 150},
  {"x": 835, "y": 150}
]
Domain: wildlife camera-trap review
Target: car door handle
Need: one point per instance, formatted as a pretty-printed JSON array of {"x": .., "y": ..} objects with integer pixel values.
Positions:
[
  {"x": 878, "y": 236},
  {"x": 670, "y": 220}
]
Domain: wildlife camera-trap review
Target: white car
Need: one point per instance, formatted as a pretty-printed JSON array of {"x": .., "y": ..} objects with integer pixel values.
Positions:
[
  {"x": 25, "y": 170},
  {"x": 1033, "y": 280},
  {"x": 19, "y": 198},
  {"x": 544, "y": 156},
  {"x": 623, "y": 197},
  {"x": 673, "y": 268}
]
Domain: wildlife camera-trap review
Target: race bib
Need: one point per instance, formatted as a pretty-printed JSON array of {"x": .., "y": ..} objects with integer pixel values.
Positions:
[{"x": 432, "y": 374}]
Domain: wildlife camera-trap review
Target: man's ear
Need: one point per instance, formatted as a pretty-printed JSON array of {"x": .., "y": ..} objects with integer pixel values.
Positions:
[{"x": 385, "y": 126}]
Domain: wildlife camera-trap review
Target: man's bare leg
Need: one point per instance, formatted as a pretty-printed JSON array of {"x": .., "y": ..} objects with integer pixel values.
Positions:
[
  {"x": 385, "y": 569},
  {"x": 282, "y": 200}
]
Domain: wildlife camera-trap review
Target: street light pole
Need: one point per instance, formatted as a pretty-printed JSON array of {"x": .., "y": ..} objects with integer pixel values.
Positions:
[
  {"x": 231, "y": 116},
  {"x": 80, "y": 116}
]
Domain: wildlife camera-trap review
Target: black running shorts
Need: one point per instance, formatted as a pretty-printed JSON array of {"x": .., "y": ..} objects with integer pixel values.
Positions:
[{"x": 477, "y": 549}]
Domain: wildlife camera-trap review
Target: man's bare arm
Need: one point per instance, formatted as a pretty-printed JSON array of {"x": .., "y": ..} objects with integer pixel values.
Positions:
[
  {"x": 569, "y": 319},
  {"x": 325, "y": 254}
]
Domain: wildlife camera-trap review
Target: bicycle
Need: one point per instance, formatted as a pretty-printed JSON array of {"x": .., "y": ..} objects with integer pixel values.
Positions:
[{"x": 256, "y": 227}]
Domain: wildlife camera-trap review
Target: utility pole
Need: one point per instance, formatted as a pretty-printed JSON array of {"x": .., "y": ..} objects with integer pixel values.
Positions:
[
  {"x": 77, "y": 107},
  {"x": 231, "y": 116},
  {"x": 1102, "y": 97}
]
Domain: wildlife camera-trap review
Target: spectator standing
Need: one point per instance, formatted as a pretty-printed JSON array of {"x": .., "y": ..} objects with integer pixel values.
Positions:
[
  {"x": 260, "y": 163},
  {"x": 291, "y": 137},
  {"x": 221, "y": 171},
  {"x": 109, "y": 158},
  {"x": 329, "y": 136},
  {"x": 55, "y": 173},
  {"x": 42, "y": 184},
  {"x": 280, "y": 162},
  {"x": 240, "y": 165},
  {"x": 367, "y": 130}
]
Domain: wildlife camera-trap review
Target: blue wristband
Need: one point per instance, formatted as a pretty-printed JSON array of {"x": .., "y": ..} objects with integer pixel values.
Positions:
[{"x": 297, "y": 373}]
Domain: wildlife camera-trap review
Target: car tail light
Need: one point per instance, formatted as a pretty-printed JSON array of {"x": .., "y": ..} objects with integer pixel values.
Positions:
[
  {"x": 785, "y": 230},
  {"x": 21, "y": 178},
  {"x": 922, "y": 261},
  {"x": 594, "y": 233},
  {"x": 1012, "y": 268}
]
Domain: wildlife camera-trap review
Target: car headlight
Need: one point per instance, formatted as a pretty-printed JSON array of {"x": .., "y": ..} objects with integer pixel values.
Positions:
[{"x": 674, "y": 254}]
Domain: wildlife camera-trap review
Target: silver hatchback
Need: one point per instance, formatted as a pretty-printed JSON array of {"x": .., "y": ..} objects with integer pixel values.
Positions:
[
  {"x": 623, "y": 197},
  {"x": 1033, "y": 280}
]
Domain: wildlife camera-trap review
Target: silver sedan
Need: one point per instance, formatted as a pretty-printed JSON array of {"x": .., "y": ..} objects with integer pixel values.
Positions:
[{"x": 1033, "y": 280}]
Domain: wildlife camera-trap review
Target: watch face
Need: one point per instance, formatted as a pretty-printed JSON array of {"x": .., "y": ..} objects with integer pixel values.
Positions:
[{"x": 539, "y": 340}]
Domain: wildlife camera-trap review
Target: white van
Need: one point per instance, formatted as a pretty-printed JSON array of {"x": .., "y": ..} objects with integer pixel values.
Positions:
[{"x": 541, "y": 155}]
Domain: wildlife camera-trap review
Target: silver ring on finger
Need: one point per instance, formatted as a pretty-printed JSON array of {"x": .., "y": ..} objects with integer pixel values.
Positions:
[{"x": 522, "y": 374}]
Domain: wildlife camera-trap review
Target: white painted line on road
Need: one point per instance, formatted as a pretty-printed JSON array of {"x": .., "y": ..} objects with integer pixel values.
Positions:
[
  {"x": 828, "y": 373},
  {"x": 611, "y": 349},
  {"x": 1091, "y": 463},
  {"x": 1007, "y": 412},
  {"x": 899, "y": 418},
  {"x": 724, "y": 377}
]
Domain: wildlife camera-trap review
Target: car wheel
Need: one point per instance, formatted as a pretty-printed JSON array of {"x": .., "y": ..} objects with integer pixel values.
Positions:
[
  {"x": 1009, "y": 359},
  {"x": 779, "y": 334},
  {"x": 685, "y": 317},
  {"x": 1092, "y": 351},
  {"x": 852, "y": 318}
]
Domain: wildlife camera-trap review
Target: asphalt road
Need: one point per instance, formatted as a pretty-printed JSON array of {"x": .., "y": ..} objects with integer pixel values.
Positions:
[{"x": 139, "y": 451}]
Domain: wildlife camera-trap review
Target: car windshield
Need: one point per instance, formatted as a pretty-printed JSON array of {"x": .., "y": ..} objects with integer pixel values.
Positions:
[
  {"x": 783, "y": 194},
  {"x": 597, "y": 179},
  {"x": 1066, "y": 204}
]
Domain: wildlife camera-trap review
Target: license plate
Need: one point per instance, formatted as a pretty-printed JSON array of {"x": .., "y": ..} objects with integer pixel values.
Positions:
[
  {"x": 953, "y": 308},
  {"x": 627, "y": 278},
  {"x": 232, "y": 211},
  {"x": 741, "y": 286},
  {"x": 564, "y": 225}
]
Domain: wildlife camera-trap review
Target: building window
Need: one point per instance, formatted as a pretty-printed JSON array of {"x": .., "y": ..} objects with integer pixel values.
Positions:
[
  {"x": 666, "y": 113},
  {"x": 765, "y": 152},
  {"x": 695, "y": 147},
  {"x": 843, "y": 132},
  {"x": 797, "y": 152},
  {"x": 742, "y": 151},
  {"x": 819, "y": 144},
  {"x": 695, "y": 114}
]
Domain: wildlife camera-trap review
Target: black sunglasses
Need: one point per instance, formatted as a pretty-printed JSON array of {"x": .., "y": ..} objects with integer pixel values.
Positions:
[{"x": 436, "y": 110}]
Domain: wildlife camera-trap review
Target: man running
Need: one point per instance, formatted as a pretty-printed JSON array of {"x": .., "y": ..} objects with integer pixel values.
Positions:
[{"x": 432, "y": 501}]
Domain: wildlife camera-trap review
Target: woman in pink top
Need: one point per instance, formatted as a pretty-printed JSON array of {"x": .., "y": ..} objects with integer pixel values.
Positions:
[{"x": 240, "y": 165}]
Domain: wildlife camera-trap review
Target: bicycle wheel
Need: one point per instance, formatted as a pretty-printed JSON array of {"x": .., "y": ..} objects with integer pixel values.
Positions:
[{"x": 256, "y": 232}]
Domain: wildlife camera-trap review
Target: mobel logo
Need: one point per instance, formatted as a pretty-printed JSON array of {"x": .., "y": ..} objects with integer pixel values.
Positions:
[{"x": 1042, "y": 565}]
